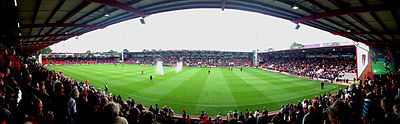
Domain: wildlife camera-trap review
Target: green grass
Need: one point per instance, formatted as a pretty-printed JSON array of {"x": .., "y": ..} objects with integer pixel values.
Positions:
[{"x": 194, "y": 90}]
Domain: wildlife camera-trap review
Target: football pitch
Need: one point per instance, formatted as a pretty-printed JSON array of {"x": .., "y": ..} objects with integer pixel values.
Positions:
[{"x": 195, "y": 90}]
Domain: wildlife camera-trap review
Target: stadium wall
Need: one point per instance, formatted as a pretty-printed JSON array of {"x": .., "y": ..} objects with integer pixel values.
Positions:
[{"x": 364, "y": 65}]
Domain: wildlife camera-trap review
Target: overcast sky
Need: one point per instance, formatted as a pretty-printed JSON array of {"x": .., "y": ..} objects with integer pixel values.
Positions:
[{"x": 199, "y": 29}]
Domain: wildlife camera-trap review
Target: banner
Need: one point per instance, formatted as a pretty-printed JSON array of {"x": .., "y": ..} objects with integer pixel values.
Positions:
[
  {"x": 311, "y": 46},
  {"x": 364, "y": 66},
  {"x": 382, "y": 61}
]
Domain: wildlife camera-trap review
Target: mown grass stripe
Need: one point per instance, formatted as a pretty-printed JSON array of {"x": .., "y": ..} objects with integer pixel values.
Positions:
[
  {"x": 241, "y": 90},
  {"x": 194, "y": 90}
]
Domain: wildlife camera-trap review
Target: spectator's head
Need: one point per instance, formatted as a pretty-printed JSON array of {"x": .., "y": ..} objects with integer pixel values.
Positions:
[
  {"x": 384, "y": 104},
  {"x": 42, "y": 86},
  {"x": 367, "y": 89},
  {"x": 59, "y": 88},
  {"x": 38, "y": 106},
  {"x": 338, "y": 112},
  {"x": 148, "y": 118},
  {"x": 396, "y": 109},
  {"x": 104, "y": 101},
  {"x": 315, "y": 105},
  {"x": 111, "y": 110},
  {"x": 4, "y": 114},
  {"x": 76, "y": 93},
  {"x": 7, "y": 72},
  {"x": 84, "y": 95},
  {"x": 10, "y": 64}
]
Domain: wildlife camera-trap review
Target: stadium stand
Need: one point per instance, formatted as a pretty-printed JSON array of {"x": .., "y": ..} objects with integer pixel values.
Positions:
[
  {"x": 324, "y": 64},
  {"x": 31, "y": 92},
  {"x": 325, "y": 68},
  {"x": 78, "y": 58},
  {"x": 65, "y": 61},
  {"x": 191, "y": 58}
]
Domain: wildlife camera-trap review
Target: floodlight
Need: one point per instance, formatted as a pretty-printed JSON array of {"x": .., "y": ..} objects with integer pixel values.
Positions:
[
  {"x": 295, "y": 7},
  {"x": 297, "y": 26},
  {"x": 142, "y": 21}
]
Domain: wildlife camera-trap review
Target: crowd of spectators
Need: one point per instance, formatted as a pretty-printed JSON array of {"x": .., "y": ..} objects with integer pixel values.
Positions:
[
  {"x": 30, "y": 92},
  {"x": 325, "y": 68},
  {"x": 375, "y": 101},
  {"x": 72, "y": 61},
  {"x": 194, "y": 62}
]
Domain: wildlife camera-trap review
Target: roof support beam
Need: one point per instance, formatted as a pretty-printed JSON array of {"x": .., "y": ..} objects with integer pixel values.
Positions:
[
  {"x": 340, "y": 17},
  {"x": 95, "y": 18},
  {"x": 70, "y": 14},
  {"x": 52, "y": 35},
  {"x": 119, "y": 5},
  {"x": 396, "y": 18},
  {"x": 374, "y": 42},
  {"x": 381, "y": 24},
  {"x": 345, "y": 11},
  {"x": 80, "y": 18},
  {"x": 36, "y": 11},
  {"x": 377, "y": 19},
  {"x": 366, "y": 33},
  {"x": 77, "y": 9},
  {"x": 341, "y": 5},
  {"x": 54, "y": 40},
  {"x": 62, "y": 25},
  {"x": 55, "y": 10}
]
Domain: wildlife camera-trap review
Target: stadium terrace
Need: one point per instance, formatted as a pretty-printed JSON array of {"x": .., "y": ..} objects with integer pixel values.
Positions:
[
  {"x": 49, "y": 88},
  {"x": 307, "y": 84}
]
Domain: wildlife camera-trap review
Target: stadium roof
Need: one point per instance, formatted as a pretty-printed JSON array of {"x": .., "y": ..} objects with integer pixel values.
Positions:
[
  {"x": 348, "y": 49},
  {"x": 36, "y": 24}
]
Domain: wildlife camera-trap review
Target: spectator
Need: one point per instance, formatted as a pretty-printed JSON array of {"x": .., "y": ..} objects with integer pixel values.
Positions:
[
  {"x": 50, "y": 97},
  {"x": 235, "y": 114},
  {"x": 111, "y": 114},
  {"x": 396, "y": 118},
  {"x": 219, "y": 118},
  {"x": 265, "y": 116},
  {"x": 338, "y": 113},
  {"x": 188, "y": 121},
  {"x": 241, "y": 117},
  {"x": 229, "y": 116},
  {"x": 148, "y": 118},
  {"x": 368, "y": 114}
]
